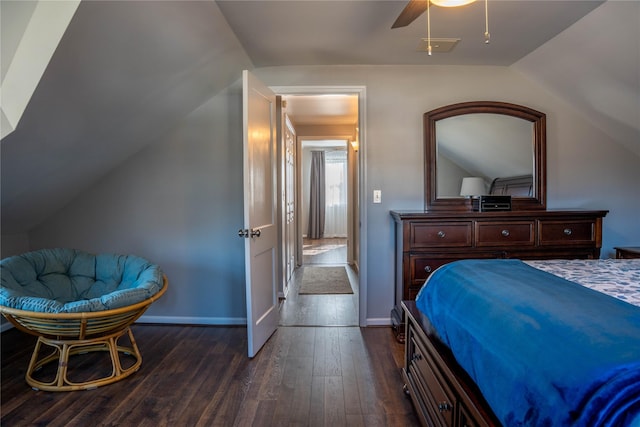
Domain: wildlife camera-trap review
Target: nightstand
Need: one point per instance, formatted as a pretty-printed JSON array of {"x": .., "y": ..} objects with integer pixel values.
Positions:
[{"x": 627, "y": 252}]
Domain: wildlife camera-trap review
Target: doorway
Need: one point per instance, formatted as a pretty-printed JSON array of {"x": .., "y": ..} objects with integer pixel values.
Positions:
[
  {"x": 325, "y": 212},
  {"x": 337, "y": 247}
]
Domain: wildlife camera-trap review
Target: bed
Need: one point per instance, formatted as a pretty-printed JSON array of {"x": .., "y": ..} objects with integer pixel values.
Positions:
[
  {"x": 516, "y": 186},
  {"x": 526, "y": 343}
]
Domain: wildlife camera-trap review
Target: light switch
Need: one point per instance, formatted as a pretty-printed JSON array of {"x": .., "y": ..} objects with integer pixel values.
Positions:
[{"x": 377, "y": 196}]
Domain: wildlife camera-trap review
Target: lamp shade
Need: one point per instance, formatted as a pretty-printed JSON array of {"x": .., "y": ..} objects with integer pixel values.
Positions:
[{"x": 472, "y": 186}]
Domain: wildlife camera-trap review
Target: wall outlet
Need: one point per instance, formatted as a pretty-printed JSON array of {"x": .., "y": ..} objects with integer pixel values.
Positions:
[{"x": 377, "y": 196}]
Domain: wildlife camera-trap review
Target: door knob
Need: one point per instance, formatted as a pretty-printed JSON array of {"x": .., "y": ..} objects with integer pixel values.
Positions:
[{"x": 243, "y": 232}]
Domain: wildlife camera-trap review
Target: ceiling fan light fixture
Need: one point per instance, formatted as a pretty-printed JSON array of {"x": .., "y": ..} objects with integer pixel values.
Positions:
[{"x": 451, "y": 3}]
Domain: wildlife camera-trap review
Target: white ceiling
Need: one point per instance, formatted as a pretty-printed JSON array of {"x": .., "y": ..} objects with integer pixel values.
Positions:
[
  {"x": 322, "y": 109},
  {"x": 329, "y": 32}
]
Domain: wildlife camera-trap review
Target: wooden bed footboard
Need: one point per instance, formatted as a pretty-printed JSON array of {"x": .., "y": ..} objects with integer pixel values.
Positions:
[{"x": 443, "y": 394}]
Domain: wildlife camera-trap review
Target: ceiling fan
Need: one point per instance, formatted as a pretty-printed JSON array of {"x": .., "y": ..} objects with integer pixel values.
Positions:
[{"x": 415, "y": 8}]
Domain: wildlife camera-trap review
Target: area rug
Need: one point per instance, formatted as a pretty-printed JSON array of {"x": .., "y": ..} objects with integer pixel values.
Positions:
[{"x": 325, "y": 280}]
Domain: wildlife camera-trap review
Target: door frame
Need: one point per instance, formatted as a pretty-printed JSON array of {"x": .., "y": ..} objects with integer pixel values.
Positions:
[
  {"x": 300, "y": 142},
  {"x": 360, "y": 91}
]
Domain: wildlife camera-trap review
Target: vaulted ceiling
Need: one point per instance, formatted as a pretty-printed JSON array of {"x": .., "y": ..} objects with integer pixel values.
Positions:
[
  {"x": 276, "y": 33},
  {"x": 124, "y": 73}
]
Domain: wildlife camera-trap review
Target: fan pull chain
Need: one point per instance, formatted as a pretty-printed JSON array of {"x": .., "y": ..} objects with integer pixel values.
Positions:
[
  {"x": 428, "y": 28},
  {"x": 487, "y": 36}
]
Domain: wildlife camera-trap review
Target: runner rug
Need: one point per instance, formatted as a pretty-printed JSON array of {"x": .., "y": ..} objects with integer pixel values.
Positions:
[{"x": 325, "y": 280}]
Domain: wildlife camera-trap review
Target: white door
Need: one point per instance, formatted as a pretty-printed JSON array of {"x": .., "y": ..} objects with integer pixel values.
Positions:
[{"x": 260, "y": 228}]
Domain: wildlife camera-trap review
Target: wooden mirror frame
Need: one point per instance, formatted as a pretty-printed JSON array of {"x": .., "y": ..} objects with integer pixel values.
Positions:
[{"x": 537, "y": 202}]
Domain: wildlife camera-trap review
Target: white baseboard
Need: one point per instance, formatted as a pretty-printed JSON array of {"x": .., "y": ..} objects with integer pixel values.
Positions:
[
  {"x": 382, "y": 321},
  {"x": 180, "y": 320},
  {"x": 218, "y": 321}
]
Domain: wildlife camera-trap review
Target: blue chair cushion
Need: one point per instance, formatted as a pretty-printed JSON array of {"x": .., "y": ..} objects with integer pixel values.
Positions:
[{"x": 72, "y": 281}]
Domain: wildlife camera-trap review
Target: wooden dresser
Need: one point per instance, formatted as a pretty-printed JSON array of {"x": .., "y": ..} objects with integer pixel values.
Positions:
[{"x": 427, "y": 240}]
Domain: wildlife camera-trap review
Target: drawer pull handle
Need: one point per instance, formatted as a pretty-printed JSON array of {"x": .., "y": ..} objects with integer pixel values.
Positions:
[
  {"x": 406, "y": 390},
  {"x": 444, "y": 406},
  {"x": 441, "y": 234},
  {"x": 505, "y": 233},
  {"x": 567, "y": 231},
  {"x": 427, "y": 269}
]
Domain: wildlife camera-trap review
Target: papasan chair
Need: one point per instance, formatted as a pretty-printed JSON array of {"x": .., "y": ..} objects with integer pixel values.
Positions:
[{"x": 76, "y": 302}]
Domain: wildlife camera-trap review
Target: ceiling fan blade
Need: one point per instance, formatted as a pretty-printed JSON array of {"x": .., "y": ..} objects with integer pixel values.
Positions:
[{"x": 411, "y": 11}]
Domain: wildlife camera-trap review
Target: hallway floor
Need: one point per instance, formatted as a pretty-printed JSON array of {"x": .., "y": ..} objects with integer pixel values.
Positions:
[
  {"x": 324, "y": 251},
  {"x": 321, "y": 310}
]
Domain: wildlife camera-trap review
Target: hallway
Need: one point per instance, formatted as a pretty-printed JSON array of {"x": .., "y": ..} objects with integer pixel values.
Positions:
[
  {"x": 324, "y": 251},
  {"x": 321, "y": 310}
]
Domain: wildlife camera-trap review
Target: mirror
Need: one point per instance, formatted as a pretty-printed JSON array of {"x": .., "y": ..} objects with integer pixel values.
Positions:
[{"x": 501, "y": 145}]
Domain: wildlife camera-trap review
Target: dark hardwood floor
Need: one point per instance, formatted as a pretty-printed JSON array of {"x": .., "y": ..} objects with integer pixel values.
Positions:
[
  {"x": 326, "y": 375},
  {"x": 321, "y": 310},
  {"x": 201, "y": 376},
  {"x": 324, "y": 251}
]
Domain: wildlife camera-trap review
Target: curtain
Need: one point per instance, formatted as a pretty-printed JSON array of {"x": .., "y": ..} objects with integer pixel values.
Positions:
[
  {"x": 316, "y": 196},
  {"x": 336, "y": 194}
]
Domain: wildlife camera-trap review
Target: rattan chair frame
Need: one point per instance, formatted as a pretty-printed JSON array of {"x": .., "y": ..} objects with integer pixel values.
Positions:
[{"x": 75, "y": 333}]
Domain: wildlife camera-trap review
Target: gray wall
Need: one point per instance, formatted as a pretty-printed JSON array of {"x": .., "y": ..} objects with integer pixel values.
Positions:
[
  {"x": 586, "y": 168},
  {"x": 178, "y": 202}
]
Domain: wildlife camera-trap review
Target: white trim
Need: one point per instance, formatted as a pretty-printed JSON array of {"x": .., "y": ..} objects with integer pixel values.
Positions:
[
  {"x": 187, "y": 320},
  {"x": 318, "y": 90},
  {"x": 361, "y": 91},
  {"x": 362, "y": 158},
  {"x": 380, "y": 321}
]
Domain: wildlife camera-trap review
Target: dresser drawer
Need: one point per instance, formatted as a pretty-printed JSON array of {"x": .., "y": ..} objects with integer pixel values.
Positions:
[
  {"x": 566, "y": 232},
  {"x": 422, "y": 266},
  {"x": 427, "y": 377},
  {"x": 441, "y": 234},
  {"x": 465, "y": 418},
  {"x": 510, "y": 233}
]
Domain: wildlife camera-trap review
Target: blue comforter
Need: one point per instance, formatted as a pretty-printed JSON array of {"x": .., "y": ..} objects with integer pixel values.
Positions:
[{"x": 544, "y": 351}]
